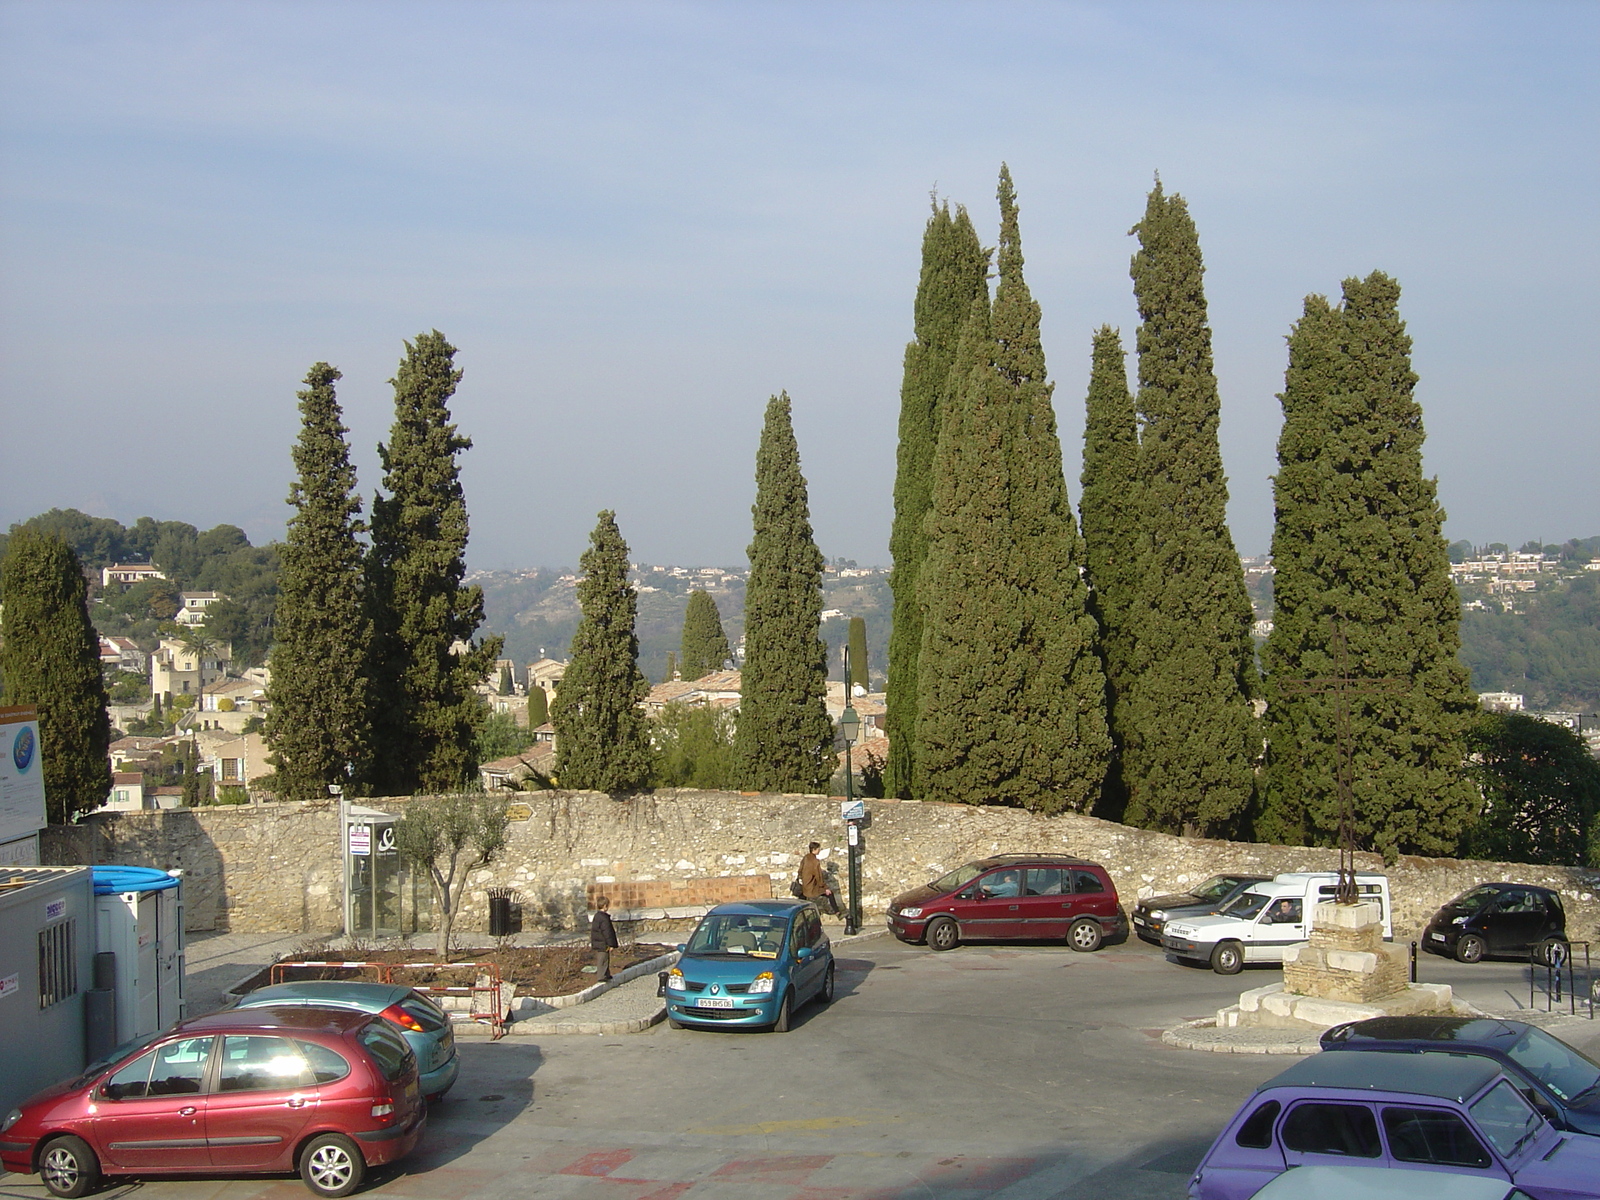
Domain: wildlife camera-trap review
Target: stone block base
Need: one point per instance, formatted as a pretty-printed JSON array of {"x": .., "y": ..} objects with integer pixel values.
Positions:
[
  {"x": 1356, "y": 975},
  {"x": 1275, "y": 1007}
]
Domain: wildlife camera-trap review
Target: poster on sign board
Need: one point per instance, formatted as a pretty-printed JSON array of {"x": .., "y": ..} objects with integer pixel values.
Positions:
[{"x": 21, "y": 774}]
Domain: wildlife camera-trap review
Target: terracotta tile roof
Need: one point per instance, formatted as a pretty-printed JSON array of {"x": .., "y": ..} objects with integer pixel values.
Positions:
[
  {"x": 128, "y": 777},
  {"x": 719, "y": 681}
]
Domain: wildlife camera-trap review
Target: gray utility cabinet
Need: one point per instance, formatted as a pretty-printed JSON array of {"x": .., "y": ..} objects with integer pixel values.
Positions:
[
  {"x": 47, "y": 944},
  {"x": 143, "y": 926}
]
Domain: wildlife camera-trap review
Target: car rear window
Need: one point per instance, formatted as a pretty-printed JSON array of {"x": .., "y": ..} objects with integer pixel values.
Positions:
[
  {"x": 1047, "y": 881},
  {"x": 1349, "y": 1130},
  {"x": 424, "y": 1013},
  {"x": 1428, "y": 1135},
  {"x": 254, "y": 1064},
  {"x": 388, "y": 1050},
  {"x": 1086, "y": 881},
  {"x": 1256, "y": 1132}
]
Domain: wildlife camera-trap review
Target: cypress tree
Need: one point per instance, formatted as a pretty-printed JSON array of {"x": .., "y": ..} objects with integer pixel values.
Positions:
[
  {"x": 671, "y": 672},
  {"x": 859, "y": 667},
  {"x": 426, "y": 715},
  {"x": 1109, "y": 509},
  {"x": 970, "y": 750},
  {"x": 50, "y": 658},
  {"x": 954, "y": 273},
  {"x": 538, "y": 707},
  {"x": 1190, "y": 735},
  {"x": 1360, "y": 531},
  {"x": 1061, "y": 718},
  {"x": 784, "y": 739},
  {"x": 318, "y": 724},
  {"x": 602, "y": 738},
  {"x": 705, "y": 646}
]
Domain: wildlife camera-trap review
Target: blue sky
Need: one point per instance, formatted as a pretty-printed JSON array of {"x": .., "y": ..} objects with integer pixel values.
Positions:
[{"x": 637, "y": 221}]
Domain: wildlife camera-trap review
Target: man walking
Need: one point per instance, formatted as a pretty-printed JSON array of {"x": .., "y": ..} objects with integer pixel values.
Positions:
[
  {"x": 602, "y": 938},
  {"x": 813, "y": 883}
]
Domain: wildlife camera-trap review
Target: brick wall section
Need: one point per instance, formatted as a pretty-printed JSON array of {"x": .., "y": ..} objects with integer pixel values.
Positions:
[{"x": 276, "y": 867}]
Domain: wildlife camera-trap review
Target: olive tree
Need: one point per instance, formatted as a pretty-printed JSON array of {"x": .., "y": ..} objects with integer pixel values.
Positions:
[{"x": 450, "y": 837}]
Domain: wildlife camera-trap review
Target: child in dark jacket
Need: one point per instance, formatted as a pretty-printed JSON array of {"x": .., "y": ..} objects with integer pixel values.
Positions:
[{"x": 602, "y": 938}]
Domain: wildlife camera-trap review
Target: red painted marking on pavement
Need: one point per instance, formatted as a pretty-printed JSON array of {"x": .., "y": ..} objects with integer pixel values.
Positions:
[
  {"x": 601, "y": 1162},
  {"x": 773, "y": 1168},
  {"x": 670, "y": 1192}
]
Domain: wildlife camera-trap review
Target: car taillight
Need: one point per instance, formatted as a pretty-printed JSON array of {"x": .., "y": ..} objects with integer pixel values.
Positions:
[
  {"x": 384, "y": 1111},
  {"x": 399, "y": 1016}
]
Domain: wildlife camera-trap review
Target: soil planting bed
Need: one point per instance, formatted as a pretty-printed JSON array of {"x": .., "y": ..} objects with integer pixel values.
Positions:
[{"x": 536, "y": 970}]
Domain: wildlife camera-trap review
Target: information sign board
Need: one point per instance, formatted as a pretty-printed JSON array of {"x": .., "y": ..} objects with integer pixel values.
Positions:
[
  {"x": 21, "y": 774},
  {"x": 361, "y": 839}
]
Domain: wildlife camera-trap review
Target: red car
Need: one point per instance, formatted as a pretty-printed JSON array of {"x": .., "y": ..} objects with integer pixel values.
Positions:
[
  {"x": 1030, "y": 896},
  {"x": 325, "y": 1092}
]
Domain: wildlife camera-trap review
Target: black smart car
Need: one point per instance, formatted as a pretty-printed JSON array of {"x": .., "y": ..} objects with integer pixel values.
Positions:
[
  {"x": 1559, "y": 1081},
  {"x": 1151, "y": 915},
  {"x": 1513, "y": 919}
]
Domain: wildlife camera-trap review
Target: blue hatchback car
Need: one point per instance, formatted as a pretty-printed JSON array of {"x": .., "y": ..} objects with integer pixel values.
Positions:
[{"x": 751, "y": 964}]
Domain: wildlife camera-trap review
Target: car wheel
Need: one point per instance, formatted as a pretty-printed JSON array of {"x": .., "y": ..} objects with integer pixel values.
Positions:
[
  {"x": 942, "y": 934},
  {"x": 1542, "y": 953},
  {"x": 331, "y": 1165},
  {"x": 826, "y": 994},
  {"x": 1470, "y": 948},
  {"x": 781, "y": 1025},
  {"x": 1227, "y": 958},
  {"x": 69, "y": 1168},
  {"x": 1085, "y": 935}
]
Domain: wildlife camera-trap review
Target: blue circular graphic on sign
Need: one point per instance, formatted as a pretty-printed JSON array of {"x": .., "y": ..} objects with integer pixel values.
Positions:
[{"x": 22, "y": 749}]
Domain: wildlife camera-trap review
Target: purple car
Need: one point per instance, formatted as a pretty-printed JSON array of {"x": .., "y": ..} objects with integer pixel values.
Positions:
[{"x": 1436, "y": 1112}]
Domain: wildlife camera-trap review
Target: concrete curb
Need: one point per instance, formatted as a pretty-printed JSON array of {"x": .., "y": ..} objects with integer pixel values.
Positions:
[
  {"x": 1191, "y": 1035},
  {"x": 524, "y": 1006}
]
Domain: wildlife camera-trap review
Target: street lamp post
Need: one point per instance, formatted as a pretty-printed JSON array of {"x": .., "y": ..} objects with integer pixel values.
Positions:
[{"x": 849, "y": 730}]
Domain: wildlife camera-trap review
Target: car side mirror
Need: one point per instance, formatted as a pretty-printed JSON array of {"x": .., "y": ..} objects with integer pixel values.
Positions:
[
  {"x": 803, "y": 953},
  {"x": 682, "y": 946}
]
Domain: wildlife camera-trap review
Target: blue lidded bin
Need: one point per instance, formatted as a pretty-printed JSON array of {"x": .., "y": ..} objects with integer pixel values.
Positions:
[{"x": 111, "y": 880}]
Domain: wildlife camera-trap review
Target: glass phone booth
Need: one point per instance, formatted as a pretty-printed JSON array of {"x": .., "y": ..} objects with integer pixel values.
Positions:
[{"x": 382, "y": 897}]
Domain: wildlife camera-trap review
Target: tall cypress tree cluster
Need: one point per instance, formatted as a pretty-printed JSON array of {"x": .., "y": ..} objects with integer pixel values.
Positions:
[
  {"x": 954, "y": 270},
  {"x": 1061, "y": 711},
  {"x": 50, "y": 658},
  {"x": 602, "y": 738},
  {"x": 705, "y": 646},
  {"x": 1361, "y": 559},
  {"x": 784, "y": 739},
  {"x": 1189, "y": 735},
  {"x": 1109, "y": 507},
  {"x": 319, "y": 725},
  {"x": 426, "y": 716}
]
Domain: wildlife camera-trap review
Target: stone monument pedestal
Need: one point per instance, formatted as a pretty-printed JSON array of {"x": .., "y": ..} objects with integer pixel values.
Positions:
[{"x": 1346, "y": 972}]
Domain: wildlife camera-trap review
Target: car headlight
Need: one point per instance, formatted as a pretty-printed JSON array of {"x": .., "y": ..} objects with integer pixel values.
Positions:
[
  {"x": 12, "y": 1118},
  {"x": 1459, "y": 920},
  {"x": 1158, "y": 915},
  {"x": 763, "y": 983},
  {"x": 675, "y": 980},
  {"x": 911, "y": 914}
]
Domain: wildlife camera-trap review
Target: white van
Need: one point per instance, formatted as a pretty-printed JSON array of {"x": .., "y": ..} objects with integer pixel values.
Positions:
[{"x": 1256, "y": 925}]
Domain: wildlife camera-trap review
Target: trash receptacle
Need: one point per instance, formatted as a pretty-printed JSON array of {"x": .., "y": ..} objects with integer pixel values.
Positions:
[{"x": 500, "y": 912}]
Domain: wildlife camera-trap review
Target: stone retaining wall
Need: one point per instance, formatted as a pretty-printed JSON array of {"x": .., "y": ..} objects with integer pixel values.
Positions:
[{"x": 276, "y": 867}]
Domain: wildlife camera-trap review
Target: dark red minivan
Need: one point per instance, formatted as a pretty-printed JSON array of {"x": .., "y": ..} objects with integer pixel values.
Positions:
[
  {"x": 1025, "y": 896},
  {"x": 325, "y": 1092}
]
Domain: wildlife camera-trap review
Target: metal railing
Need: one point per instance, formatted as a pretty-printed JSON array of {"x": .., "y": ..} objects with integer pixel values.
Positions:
[{"x": 1561, "y": 978}]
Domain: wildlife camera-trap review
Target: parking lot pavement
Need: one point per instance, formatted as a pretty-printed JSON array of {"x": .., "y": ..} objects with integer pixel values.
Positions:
[{"x": 1028, "y": 1072}]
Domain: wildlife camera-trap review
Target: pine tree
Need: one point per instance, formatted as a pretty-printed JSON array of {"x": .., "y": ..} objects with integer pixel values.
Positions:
[
  {"x": 954, "y": 274},
  {"x": 1109, "y": 508},
  {"x": 319, "y": 723},
  {"x": 860, "y": 669},
  {"x": 705, "y": 646},
  {"x": 425, "y": 713},
  {"x": 784, "y": 740},
  {"x": 50, "y": 658},
  {"x": 1190, "y": 736},
  {"x": 970, "y": 750},
  {"x": 1062, "y": 717},
  {"x": 1365, "y": 562},
  {"x": 602, "y": 738}
]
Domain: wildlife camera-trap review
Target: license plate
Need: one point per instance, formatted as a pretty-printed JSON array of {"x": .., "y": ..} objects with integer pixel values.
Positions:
[
  {"x": 1139, "y": 921},
  {"x": 713, "y": 1002},
  {"x": 1436, "y": 937}
]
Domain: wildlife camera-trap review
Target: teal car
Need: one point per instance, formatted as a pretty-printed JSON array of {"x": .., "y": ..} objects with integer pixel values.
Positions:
[
  {"x": 423, "y": 1024},
  {"x": 750, "y": 965}
]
